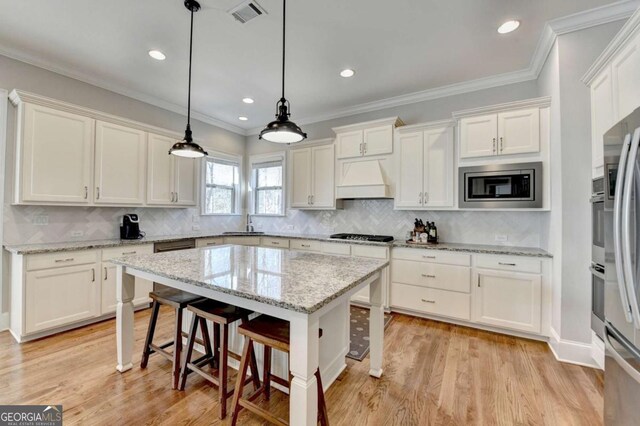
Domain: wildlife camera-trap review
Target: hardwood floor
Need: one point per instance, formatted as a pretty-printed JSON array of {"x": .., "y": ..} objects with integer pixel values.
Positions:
[{"x": 434, "y": 374}]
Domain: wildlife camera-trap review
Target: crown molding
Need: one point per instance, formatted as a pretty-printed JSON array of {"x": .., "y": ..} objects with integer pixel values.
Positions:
[
  {"x": 425, "y": 126},
  {"x": 121, "y": 90},
  {"x": 527, "y": 103},
  {"x": 393, "y": 121}
]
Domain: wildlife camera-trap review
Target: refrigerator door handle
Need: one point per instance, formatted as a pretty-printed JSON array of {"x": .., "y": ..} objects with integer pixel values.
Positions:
[
  {"x": 619, "y": 359},
  {"x": 627, "y": 263},
  {"x": 617, "y": 234}
]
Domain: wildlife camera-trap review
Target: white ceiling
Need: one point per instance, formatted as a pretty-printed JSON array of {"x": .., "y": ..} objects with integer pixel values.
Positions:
[{"x": 396, "y": 47}]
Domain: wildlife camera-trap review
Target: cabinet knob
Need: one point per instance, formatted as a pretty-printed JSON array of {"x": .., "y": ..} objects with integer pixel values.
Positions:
[{"x": 97, "y": 192}]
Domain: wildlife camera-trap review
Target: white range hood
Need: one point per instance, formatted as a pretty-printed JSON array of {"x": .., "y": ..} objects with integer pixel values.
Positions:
[{"x": 363, "y": 179}]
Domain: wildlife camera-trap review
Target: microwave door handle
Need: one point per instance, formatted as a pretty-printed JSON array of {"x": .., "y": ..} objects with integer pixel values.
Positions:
[
  {"x": 617, "y": 234},
  {"x": 627, "y": 212}
]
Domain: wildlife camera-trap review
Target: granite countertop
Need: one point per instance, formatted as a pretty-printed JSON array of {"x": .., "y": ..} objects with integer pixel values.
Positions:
[
  {"x": 294, "y": 280},
  {"x": 100, "y": 244}
]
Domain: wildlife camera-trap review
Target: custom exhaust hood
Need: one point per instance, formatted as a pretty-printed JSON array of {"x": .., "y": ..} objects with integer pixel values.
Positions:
[{"x": 363, "y": 179}]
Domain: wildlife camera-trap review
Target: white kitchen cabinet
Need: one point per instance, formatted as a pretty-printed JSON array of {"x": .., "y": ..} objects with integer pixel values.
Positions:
[
  {"x": 504, "y": 133},
  {"x": 509, "y": 300},
  {"x": 373, "y": 138},
  {"x": 350, "y": 144},
  {"x": 625, "y": 68},
  {"x": 208, "y": 242},
  {"x": 171, "y": 181},
  {"x": 120, "y": 164},
  {"x": 60, "y": 296},
  {"x": 312, "y": 177},
  {"x": 372, "y": 252},
  {"x": 54, "y": 156},
  {"x": 602, "y": 118},
  {"x": 378, "y": 140},
  {"x": 425, "y": 169}
]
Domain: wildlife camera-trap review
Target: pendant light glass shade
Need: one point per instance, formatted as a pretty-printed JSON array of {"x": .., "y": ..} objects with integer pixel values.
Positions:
[
  {"x": 283, "y": 130},
  {"x": 187, "y": 147}
]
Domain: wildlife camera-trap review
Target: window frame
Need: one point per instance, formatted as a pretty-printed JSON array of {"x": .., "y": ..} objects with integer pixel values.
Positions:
[
  {"x": 267, "y": 158},
  {"x": 237, "y": 199}
]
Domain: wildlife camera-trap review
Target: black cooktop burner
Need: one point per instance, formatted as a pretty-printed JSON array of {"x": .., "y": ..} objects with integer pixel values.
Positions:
[{"x": 363, "y": 237}]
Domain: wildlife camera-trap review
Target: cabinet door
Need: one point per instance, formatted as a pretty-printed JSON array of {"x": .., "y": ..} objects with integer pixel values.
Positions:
[
  {"x": 478, "y": 136},
  {"x": 350, "y": 144},
  {"x": 160, "y": 179},
  {"x": 625, "y": 68},
  {"x": 186, "y": 181},
  {"x": 410, "y": 170},
  {"x": 56, "y": 156},
  {"x": 323, "y": 176},
  {"x": 378, "y": 140},
  {"x": 108, "y": 298},
  {"x": 61, "y": 296},
  {"x": 508, "y": 300},
  {"x": 601, "y": 118},
  {"x": 438, "y": 167},
  {"x": 519, "y": 131},
  {"x": 121, "y": 157},
  {"x": 300, "y": 177}
]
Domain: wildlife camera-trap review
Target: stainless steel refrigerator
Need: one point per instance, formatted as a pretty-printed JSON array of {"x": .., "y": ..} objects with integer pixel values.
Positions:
[{"x": 622, "y": 272}]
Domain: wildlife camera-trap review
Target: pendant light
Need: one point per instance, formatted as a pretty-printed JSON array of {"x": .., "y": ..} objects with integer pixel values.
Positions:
[
  {"x": 186, "y": 147},
  {"x": 282, "y": 130}
]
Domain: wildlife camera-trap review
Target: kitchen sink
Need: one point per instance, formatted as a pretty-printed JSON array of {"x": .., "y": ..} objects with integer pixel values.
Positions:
[{"x": 239, "y": 233}]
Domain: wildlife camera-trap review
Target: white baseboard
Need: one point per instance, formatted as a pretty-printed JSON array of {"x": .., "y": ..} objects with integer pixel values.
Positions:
[
  {"x": 597, "y": 350},
  {"x": 570, "y": 351},
  {"x": 4, "y": 321}
]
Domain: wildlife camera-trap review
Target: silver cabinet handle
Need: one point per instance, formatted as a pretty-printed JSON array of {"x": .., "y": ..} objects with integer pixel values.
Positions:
[
  {"x": 364, "y": 145},
  {"x": 309, "y": 199},
  {"x": 501, "y": 144},
  {"x": 506, "y": 264},
  {"x": 428, "y": 301},
  {"x": 177, "y": 197},
  {"x": 428, "y": 257},
  {"x": 124, "y": 253},
  {"x": 97, "y": 192},
  {"x": 275, "y": 243},
  {"x": 105, "y": 273},
  {"x": 305, "y": 245},
  {"x": 420, "y": 198},
  {"x": 428, "y": 276},
  {"x": 494, "y": 145},
  {"x": 211, "y": 244},
  {"x": 478, "y": 280},
  {"x": 361, "y": 149},
  {"x": 93, "y": 275},
  {"x": 69, "y": 259},
  {"x": 425, "y": 198},
  {"x": 86, "y": 192},
  {"x": 312, "y": 199}
]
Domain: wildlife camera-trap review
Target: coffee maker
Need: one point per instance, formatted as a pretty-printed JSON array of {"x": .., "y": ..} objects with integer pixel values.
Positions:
[{"x": 130, "y": 227}]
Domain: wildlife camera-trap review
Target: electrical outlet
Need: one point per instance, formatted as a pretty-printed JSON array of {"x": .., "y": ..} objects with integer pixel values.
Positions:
[
  {"x": 76, "y": 234},
  {"x": 40, "y": 219},
  {"x": 195, "y": 227},
  {"x": 501, "y": 238},
  {"x": 290, "y": 227}
]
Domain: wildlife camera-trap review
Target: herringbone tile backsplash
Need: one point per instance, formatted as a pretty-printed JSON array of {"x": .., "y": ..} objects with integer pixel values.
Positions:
[{"x": 527, "y": 229}]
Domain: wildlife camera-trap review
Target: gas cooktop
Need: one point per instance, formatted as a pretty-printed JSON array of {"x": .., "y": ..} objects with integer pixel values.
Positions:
[{"x": 363, "y": 237}]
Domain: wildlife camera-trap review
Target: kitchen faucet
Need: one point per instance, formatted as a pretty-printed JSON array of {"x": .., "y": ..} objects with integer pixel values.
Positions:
[{"x": 249, "y": 227}]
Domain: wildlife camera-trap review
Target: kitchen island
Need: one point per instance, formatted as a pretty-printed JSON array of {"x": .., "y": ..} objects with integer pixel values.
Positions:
[{"x": 309, "y": 290}]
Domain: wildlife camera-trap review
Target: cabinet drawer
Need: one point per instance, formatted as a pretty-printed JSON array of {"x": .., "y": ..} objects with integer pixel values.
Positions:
[
  {"x": 370, "y": 251},
  {"x": 434, "y": 275},
  {"x": 242, "y": 241},
  {"x": 307, "y": 245},
  {"x": 433, "y": 256},
  {"x": 208, "y": 242},
  {"x": 509, "y": 263},
  {"x": 431, "y": 301},
  {"x": 336, "y": 248},
  {"x": 275, "y": 242},
  {"x": 112, "y": 253},
  {"x": 56, "y": 260}
]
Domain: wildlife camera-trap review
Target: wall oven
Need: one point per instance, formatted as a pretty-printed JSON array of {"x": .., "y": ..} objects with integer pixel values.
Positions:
[{"x": 501, "y": 186}]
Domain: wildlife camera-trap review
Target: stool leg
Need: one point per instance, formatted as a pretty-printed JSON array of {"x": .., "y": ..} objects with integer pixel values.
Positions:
[
  {"x": 155, "y": 309},
  {"x": 193, "y": 329},
  {"x": 204, "y": 329},
  {"x": 255, "y": 377},
  {"x": 266, "y": 372},
  {"x": 323, "y": 415},
  {"x": 222, "y": 370},
  {"x": 216, "y": 346},
  {"x": 242, "y": 373},
  {"x": 177, "y": 349}
]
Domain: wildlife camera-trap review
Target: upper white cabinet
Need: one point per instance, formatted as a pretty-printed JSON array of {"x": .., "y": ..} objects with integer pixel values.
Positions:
[
  {"x": 504, "y": 133},
  {"x": 625, "y": 69},
  {"x": 601, "y": 118},
  {"x": 425, "y": 166},
  {"x": 170, "y": 180},
  {"x": 312, "y": 177},
  {"x": 54, "y": 156},
  {"x": 366, "y": 139},
  {"x": 120, "y": 165}
]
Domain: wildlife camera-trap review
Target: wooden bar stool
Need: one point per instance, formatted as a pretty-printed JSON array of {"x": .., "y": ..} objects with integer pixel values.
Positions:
[
  {"x": 273, "y": 333},
  {"x": 178, "y": 300},
  {"x": 221, "y": 315}
]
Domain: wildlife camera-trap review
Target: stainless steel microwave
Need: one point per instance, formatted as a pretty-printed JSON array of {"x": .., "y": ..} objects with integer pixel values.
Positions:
[{"x": 501, "y": 186}]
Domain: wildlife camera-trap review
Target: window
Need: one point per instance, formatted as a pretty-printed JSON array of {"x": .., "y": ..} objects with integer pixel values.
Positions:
[
  {"x": 221, "y": 186},
  {"x": 267, "y": 184}
]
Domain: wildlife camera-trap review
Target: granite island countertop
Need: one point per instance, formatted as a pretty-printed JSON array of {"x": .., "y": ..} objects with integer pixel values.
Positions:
[
  {"x": 25, "y": 249},
  {"x": 293, "y": 280}
]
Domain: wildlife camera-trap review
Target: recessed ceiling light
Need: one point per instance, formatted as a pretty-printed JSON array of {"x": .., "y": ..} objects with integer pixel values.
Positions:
[
  {"x": 347, "y": 73},
  {"x": 243, "y": 118},
  {"x": 156, "y": 54},
  {"x": 508, "y": 26},
  {"x": 247, "y": 100}
]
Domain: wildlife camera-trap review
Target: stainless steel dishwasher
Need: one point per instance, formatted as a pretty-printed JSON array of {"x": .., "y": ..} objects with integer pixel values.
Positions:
[{"x": 185, "y": 244}]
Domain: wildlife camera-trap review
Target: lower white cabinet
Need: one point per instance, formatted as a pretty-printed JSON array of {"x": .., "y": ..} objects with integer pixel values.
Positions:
[
  {"x": 208, "y": 242},
  {"x": 508, "y": 299},
  {"x": 59, "y": 296},
  {"x": 108, "y": 278},
  {"x": 431, "y": 301}
]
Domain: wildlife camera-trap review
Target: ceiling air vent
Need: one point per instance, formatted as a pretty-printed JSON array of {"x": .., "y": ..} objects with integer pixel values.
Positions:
[{"x": 246, "y": 11}]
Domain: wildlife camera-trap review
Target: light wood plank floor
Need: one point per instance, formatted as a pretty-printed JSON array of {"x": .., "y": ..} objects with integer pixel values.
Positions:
[{"x": 434, "y": 374}]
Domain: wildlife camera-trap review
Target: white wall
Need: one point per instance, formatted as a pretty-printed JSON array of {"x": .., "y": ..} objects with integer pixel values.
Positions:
[{"x": 4, "y": 316}]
